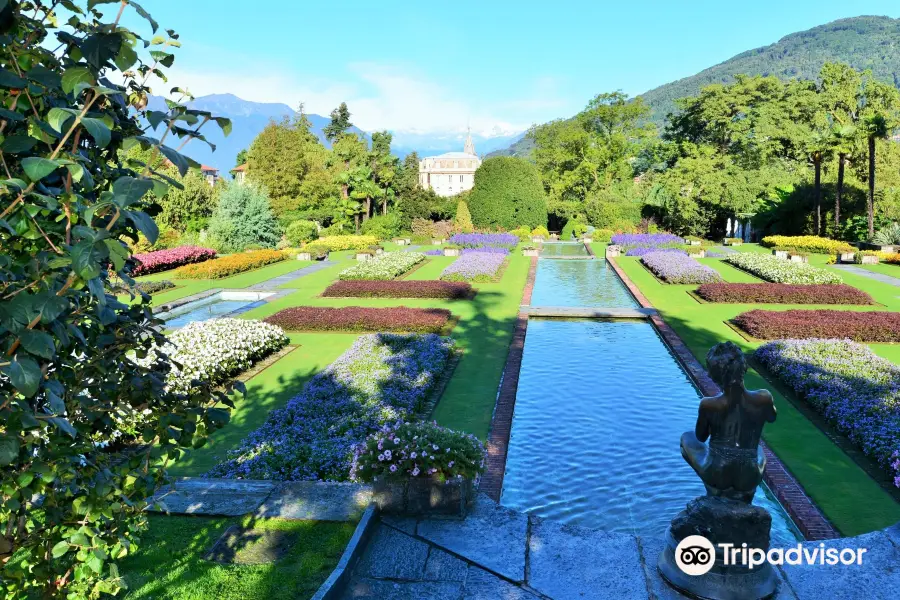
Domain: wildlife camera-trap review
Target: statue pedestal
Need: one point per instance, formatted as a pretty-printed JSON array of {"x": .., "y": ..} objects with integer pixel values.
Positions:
[{"x": 721, "y": 521}]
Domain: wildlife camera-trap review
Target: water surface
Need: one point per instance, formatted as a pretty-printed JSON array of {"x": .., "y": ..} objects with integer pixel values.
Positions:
[
  {"x": 579, "y": 283},
  {"x": 552, "y": 249},
  {"x": 212, "y": 310}
]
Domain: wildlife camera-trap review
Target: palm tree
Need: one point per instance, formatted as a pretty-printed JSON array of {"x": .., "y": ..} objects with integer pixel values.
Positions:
[
  {"x": 842, "y": 142},
  {"x": 817, "y": 147},
  {"x": 876, "y": 128}
]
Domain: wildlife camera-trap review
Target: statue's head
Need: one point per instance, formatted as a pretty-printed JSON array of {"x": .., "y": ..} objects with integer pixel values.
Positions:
[{"x": 726, "y": 364}]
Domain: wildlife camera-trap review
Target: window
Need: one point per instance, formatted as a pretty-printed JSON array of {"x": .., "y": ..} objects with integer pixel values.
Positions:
[{"x": 461, "y": 178}]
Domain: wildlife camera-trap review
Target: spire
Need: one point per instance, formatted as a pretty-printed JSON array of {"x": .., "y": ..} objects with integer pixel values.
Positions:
[{"x": 469, "y": 147}]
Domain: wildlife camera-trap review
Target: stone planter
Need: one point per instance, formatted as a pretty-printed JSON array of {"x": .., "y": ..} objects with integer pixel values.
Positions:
[
  {"x": 379, "y": 251},
  {"x": 304, "y": 256},
  {"x": 799, "y": 259},
  {"x": 422, "y": 497},
  {"x": 554, "y": 237},
  {"x": 697, "y": 253},
  {"x": 784, "y": 254},
  {"x": 363, "y": 256},
  {"x": 889, "y": 249},
  {"x": 694, "y": 242},
  {"x": 534, "y": 252},
  {"x": 437, "y": 242},
  {"x": 847, "y": 257},
  {"x": 733, "y": 242},
  {"x": 537, "y": 239},
  {"x": 613, "y": 251},
  {"x": 587, "y": 240},
  {"x": 451, "y": 252},
  {"x": 870, "y": 260},
  {"x": 400, "y": 242}
]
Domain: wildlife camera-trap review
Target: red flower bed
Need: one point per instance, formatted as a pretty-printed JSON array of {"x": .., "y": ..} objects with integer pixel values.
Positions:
[
  {"x": 452, "y": 290},
  {"x": 782, "y": 293},
  {"x": 163, "y": 260},
  {"x": 358, "y": 318},
  {"x": 804, "y": 324}
]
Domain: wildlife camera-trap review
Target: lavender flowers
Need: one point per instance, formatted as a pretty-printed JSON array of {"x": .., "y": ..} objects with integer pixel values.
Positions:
[
  {"x": 481, "y": 240},
  {"x": 474, "y": 266},
  {"x": 679, "y": 268}
]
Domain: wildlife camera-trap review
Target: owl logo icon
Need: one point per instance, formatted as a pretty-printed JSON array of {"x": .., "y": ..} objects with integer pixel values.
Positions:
[{"x": 695, "y": 555}]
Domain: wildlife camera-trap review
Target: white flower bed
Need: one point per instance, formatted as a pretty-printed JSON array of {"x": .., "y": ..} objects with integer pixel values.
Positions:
[
  {"x": 778, "y": 270},
  {"x": 384, "y": 267},
  {"x": 216, "y": 349}
]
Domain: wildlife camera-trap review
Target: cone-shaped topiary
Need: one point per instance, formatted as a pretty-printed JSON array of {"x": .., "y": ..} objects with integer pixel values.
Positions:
[
  {"x": 508, "y": 193},
  {"x": 464, "y": 218}
]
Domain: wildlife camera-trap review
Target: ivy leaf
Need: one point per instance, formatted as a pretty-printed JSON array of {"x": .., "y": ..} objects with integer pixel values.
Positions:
[
  {"x": 77, "y": 79},
  {"x": 9, "y": 449},
  {"x": 37, "y": 168},
  {"x": 98, "y": 130},
  {"x": 8, "y": 79},
  {"x": 24, "y": 374},
  {"x": 16, "y": 144},
  {"x": 37, "y": 343}
]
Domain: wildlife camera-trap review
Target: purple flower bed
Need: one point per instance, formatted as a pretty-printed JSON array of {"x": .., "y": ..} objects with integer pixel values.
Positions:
[
  {"x": 480, "y": 240},
  {"x": 488, "y": 249},
  {"x": 679, "y": 268},
  {"x": 163, "y": 260},
  {"x": 644, "y": 250},
  {"x": 474, "y": 266},
  {"x": 646, "y": 240},
  {"x": 855, "y": 389},
  {"x": 382, "y": 378},
  {"x": 437, "y": 252}
]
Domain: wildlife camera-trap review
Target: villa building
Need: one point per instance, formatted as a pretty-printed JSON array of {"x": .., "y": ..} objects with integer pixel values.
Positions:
[
  {"x": 450, "y": 173},
  {"x": 239, "y": 173},
  {"x": 210, "y": 173}
]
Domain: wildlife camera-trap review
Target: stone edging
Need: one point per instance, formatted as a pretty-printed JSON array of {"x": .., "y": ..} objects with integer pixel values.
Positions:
[
  {"x": 590, "y": 250},
  {"x": 334, "y": 586},
  {"x": 805, "y": 514},
  {"x": 501, "y": 422}
]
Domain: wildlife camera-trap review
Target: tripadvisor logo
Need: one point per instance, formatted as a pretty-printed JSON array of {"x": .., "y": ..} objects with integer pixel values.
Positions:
[{"x": 696, "y": 555}]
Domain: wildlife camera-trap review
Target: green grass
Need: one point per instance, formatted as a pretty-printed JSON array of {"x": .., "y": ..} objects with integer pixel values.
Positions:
[
  {"x": 170, "y": 565},
  {"x": 852, "y": 500},
  {"x": 883, "y": 268}
]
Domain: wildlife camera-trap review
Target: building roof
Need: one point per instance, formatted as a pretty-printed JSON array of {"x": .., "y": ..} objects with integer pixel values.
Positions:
[
  {"x": 242, "y": 167},
  {"x": 208, "y": 168}
]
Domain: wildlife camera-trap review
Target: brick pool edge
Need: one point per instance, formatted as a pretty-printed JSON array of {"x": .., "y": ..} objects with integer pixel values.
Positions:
[
  {"x": 501, "y": 421},
  {"x": 805, "y": 514}
]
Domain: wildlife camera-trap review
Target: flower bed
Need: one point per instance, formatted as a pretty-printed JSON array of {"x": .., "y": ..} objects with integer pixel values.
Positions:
[
  {"x": 807, "y": 243},
  {"x": 855, "y": 389},
  {"x": 163, "y": 260},
  {"x": 383, "y": 267},
  {"x": 213, "y": 350},
  {"x": 146, "y": 287},
  {"x": 804, "y": 324},
  {"x": 452, "y": 290},
  {"x": 232, "y": 264},
  {"x": 403, "y": 450},
  {"x": 488, "y": 249},
  {"x": 381, "y": 379},
  {"x": 360, "y": 318},
  {"x": 638, "y": 244},
  {"x": 645, "y": 250},
  {"x": 778, "y": 270},
  {"x": 475, "y": 266},
  {"x": 782, "y": 293},
  {"x": 481, "y": 240},
  {"x": 679, "y": 268},
  {"x": 337, "y": 243}
]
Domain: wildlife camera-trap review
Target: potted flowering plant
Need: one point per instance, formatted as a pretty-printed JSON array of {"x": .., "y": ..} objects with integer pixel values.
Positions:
[
  {"x": 420, "y": 468},
  {"x": 452, "y": 250}
]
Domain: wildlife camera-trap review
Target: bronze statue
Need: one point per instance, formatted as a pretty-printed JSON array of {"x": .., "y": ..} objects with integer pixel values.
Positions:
[{"x": 732, "y": 464}]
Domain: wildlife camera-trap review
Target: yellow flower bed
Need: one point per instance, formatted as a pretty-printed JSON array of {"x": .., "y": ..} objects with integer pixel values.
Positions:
[
  {"x": 807, "y": 243},
  {"x": 232, "y": 264},
  {"x": 336, "y": 243},
  {"x": 888, "y": 257}
]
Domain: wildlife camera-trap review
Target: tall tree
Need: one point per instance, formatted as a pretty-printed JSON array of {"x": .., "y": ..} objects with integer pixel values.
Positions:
[
  {"x": 385, "y": 167},
  {"x": 879, "y": 114},
  {"x": 818, "y": 147},
  {"x": 340, "y": 123},
  {"x": 844, "y": 139}
]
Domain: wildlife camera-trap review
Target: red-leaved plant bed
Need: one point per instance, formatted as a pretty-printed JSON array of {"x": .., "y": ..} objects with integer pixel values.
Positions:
[
  {"x": 358, "y": 318},
  {"x": 451, "y": 290},
  {"x": 782, "y": 293},
  {"x": 163, "y": 260},
  {"x": 804, "y": 324}
]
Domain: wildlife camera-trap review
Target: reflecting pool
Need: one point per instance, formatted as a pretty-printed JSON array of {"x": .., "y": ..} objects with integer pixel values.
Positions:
[
  {"x": 579, "y": 283},
  {"x": 556, "y": 249},
  {"x": 211, "y": 307},
  {"x": 600, "y": 410}
]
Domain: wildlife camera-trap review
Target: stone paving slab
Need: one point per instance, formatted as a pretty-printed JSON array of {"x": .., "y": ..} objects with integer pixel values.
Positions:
[
  {"x": 381, "y": 589},
  {"x": 442, "y": 566},
  {"x": 392, "y": 554},
  {"x": 220, "y": 497},
  {"x": 274, "y": 282},
  {"x": 481, "y": 585},
  {"x": 567, "y": 562},
  {"x": 869, "y": 274},
  {"x": 491, "y": 536},
  {"x": 876, "y": 579},
  {"x": 316, "y": 501}
]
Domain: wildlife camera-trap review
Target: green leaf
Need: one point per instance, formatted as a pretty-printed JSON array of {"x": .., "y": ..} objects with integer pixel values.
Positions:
[
  {"x": 80, "y": 539},
  {"x": 98, "y": 130},
  {"x": 145, "y": 225},
  {"x": 63, "y": 425},
  {"x": 15, "y": 144},
  {"x": 8, "y": 79},
  {"x": 118, "y": 253},
  {"x": 140, "y": 10},
  {"x": 179, "y": 160},
  {"x": 44, "y": 76},
  {"x": 57, "y": 117},
  {"x": 24, "y": 374},
  {"x": 155, "y": 117},
  {"x": 37, "y": 168},
  {"x": 100, "y": 48},
  {"x": 77, "y": 79},
  {"x": 128, "y": 190},
  {"x": 126, "y": 56},
  {"x": 60, "y": 549},
  {"x": 9, "y": 449},
  {"x": 83, "y": 260},
  {"x": 224, "y": 124},
  {"x": 25, "y": 479},
  {"x": 11, "y": 115},
  {"x": 37, "y": 343},
  {"x": 164, "y": 58}
]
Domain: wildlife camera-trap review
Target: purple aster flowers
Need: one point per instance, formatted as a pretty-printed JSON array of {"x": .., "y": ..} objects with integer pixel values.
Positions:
[
  {"x": 679, "y": 268},
  {"x": 480, "y": 240},
  {"x": 474, "y": 266}
]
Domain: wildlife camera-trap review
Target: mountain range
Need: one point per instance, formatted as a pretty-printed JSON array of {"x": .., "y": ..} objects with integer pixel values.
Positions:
[
  {"x": 249, "y": 118},
  {"x": 866, "y": 42}
]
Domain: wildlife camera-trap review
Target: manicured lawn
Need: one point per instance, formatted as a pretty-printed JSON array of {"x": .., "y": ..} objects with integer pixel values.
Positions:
[
  {"x": 169, "y": 564},
  {"x": 847, "y": 495}
]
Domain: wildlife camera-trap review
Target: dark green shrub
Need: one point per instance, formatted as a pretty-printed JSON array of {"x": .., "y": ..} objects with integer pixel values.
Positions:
[
  {"x": 301, "y": 231},
  {"x": 508, "y": 193},
  {"x": 384, "y": 227}
]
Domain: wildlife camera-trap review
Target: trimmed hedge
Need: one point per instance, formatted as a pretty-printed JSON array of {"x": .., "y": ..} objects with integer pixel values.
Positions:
[
  {"x": 359, "y": 318},
  {"x": 450, "y": 290},
  {"x": 508, "y": 193},
  {"x": 163, "y": 260},
  {"x": 807, "y": 243},
  {"x": 232, "y": 264},
  {"x": 782, "y": 293},
  {"x": 807, "y": 324},
  {"x": 146, "y": 287}
]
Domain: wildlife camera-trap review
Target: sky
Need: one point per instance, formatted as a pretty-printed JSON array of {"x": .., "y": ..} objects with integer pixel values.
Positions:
[{"x": 495, "y": 65}]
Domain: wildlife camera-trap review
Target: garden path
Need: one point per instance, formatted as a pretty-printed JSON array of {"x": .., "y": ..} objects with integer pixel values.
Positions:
[
  {"x": 275, "y": 282},
  {"x": 500, "y": 553},
  {"x": 725, "y": 250},
  {"x": 871, "y": 275}
]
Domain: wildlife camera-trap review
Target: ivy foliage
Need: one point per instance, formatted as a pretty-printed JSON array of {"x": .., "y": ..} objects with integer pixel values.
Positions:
[{"x": 85, "y": 432}]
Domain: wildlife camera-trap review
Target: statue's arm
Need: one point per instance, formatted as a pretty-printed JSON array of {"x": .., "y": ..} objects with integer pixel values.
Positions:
[
  {"x": 701, "y": 430},
  {"x": 770, "y": 418}
]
